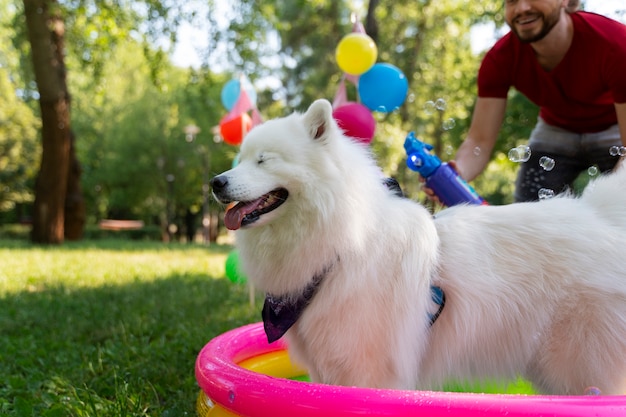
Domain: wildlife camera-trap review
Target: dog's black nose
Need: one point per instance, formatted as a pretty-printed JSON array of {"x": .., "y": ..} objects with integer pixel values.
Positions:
[{"x": 219, "y": 182}]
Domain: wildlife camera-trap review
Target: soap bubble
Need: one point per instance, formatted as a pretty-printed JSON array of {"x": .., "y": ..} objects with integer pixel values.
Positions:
[
  {"x": 477, "y": 150},
  {"x": 546, "y": 163},
  {"x": 429, "y": 107},
  {"x": 592, "y": 391},
  {"x": 524, "y": 152},
  {"x": 448, "y": 149},
  {"x": 448, "y": 124},
  {"x": 545, "y": 193},
  {"x": 441, "y": 104},
  {"x": 520, "y": 153},
  {"x": 514, "y": 155},
  {"x": 617, "y": 150},
  {"x": 593, "y": 171}
]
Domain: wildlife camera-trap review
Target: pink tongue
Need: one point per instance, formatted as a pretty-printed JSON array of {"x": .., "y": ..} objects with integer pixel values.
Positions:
[{"x": 234, "y": 216}]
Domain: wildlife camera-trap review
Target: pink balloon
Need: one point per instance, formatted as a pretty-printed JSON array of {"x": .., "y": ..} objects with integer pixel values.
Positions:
[{"x": 356, "y": 121}]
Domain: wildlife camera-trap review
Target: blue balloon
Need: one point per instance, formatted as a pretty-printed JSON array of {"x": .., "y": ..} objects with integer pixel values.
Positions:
[
  {"x": 230, "y": 93},
  {"x": 383, "y": 88},
  {"x": 232, "y": 89}
]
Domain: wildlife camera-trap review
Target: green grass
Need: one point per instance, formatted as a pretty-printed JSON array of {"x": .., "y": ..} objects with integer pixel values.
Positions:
[
  {"x": 519, "y": 386},
  {"x": 113, "y": 328},
  {"x": 110, "y": 328}
]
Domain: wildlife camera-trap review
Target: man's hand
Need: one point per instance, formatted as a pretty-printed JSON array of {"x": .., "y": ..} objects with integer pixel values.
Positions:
[{"x": 428, "y": 191}]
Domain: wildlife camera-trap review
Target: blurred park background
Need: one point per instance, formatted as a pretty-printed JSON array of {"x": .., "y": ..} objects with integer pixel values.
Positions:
[{"x": 97, "y": 99}]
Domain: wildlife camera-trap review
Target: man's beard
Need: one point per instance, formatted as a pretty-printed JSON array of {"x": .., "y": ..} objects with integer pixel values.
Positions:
[{"x": 548, "y": 22}]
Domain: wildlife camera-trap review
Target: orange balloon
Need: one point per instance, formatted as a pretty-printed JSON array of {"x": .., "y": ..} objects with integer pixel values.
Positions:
[{"x": 233, "y": 130}]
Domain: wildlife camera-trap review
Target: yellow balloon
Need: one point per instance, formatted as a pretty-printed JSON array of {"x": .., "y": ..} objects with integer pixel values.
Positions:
[{"x": 356, "y": 53}]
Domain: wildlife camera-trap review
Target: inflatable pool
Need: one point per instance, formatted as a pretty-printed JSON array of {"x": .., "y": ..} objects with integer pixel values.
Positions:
[{"x": 240, "y": 374}]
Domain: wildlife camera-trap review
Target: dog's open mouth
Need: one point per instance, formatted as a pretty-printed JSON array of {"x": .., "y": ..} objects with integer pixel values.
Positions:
[{"x": 247, "y": 212}]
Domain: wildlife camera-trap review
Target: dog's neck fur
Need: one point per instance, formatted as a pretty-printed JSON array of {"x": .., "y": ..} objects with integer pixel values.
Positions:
[
  {"x": 280, "y": 313},
  {"x": 287, "y": 274}
]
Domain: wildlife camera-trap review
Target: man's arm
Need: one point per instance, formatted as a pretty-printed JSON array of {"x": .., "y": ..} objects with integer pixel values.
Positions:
[{"x": 475, "y": 152}]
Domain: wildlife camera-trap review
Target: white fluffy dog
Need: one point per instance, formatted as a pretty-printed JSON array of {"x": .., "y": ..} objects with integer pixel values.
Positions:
[{"x": 356, "y": 275}]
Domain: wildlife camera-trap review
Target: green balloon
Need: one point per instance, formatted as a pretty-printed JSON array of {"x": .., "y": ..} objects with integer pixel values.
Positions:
[{"x": 233, "y": 269}]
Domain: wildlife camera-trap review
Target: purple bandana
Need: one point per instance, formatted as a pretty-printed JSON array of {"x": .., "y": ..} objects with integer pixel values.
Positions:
[{"x": 280, "y": 313}]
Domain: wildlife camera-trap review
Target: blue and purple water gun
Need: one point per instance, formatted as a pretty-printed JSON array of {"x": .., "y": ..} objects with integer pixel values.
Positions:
[{"x": 440, "y": 177}]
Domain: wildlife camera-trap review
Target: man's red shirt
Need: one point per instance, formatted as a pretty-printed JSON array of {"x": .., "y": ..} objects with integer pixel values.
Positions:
[{"x": 579, "y": 93}]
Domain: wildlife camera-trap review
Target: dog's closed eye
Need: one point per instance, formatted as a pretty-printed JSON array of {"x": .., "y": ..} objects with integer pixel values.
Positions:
[{"x": 264, "y": 157}]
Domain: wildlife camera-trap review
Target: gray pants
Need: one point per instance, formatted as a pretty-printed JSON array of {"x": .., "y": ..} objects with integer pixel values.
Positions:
[{"x": 572, "y": 153}]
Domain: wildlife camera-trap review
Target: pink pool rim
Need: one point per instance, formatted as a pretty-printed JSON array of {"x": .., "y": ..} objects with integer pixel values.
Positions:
[{"x": 252, "y": 394}]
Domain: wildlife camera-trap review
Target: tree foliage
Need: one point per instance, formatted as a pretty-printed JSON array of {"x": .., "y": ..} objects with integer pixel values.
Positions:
[
  {"x": 19, "y": 150},
  {"x": 58, "y": 211},
  {"x": 131, "y": 104},
  {"x": 137, "y": 161}
]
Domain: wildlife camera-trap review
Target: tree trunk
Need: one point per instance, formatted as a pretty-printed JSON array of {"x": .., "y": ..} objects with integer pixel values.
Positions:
[
  {"x": 371, "y": 24},
  {"x": 74, "y": 202},
  {"x": 46, "y": 32}
]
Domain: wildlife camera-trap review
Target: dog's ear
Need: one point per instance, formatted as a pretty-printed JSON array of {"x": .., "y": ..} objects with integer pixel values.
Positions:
[{"x": 318, "y": 119}]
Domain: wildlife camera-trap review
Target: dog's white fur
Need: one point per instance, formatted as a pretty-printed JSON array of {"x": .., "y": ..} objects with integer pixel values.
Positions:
[{"x": 533, "y": 289}]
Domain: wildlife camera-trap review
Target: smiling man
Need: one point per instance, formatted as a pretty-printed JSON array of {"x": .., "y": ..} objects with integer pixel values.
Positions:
[{"x": 572, "y": 64}]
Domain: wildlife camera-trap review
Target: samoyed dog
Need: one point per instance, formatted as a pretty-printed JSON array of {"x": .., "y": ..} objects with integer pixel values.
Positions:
[{"x": 370, "y": 290}]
